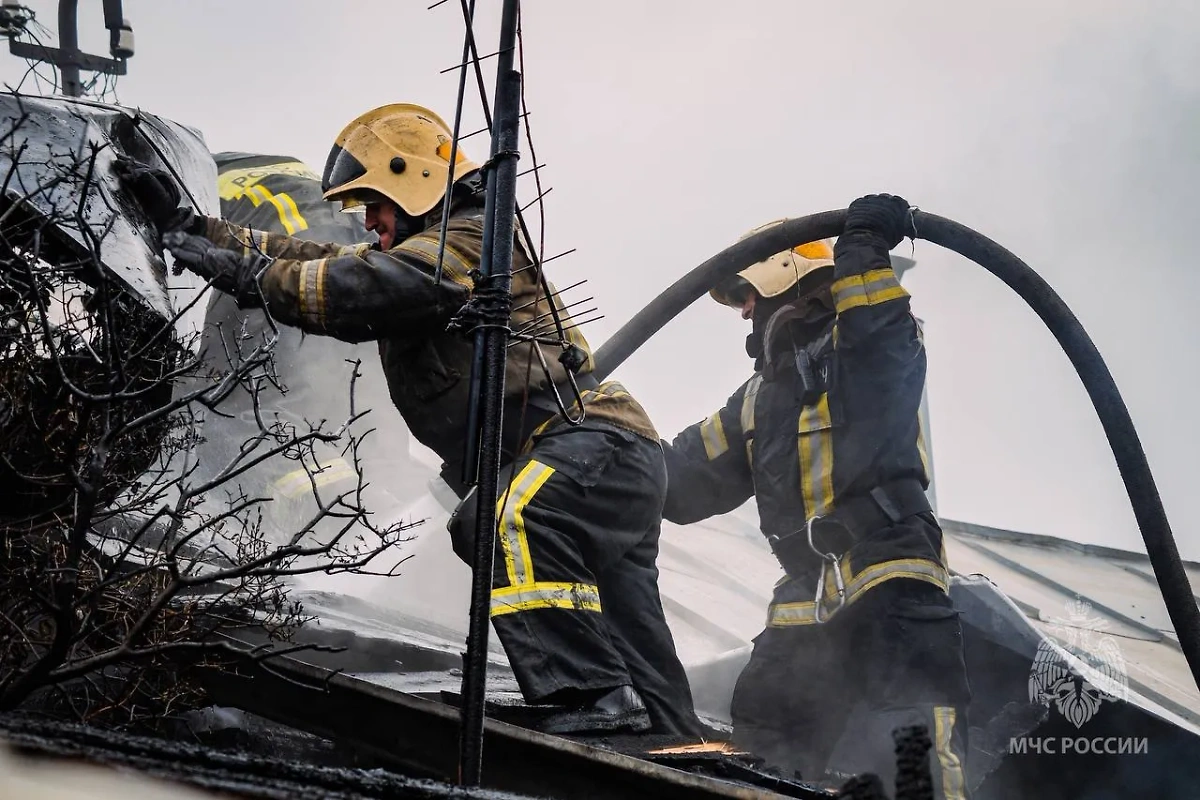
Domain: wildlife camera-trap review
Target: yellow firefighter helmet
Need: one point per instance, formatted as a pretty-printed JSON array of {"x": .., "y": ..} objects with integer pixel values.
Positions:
[
  {"x": 400, "y": 151},
  {"x": 777, "y": 274}
]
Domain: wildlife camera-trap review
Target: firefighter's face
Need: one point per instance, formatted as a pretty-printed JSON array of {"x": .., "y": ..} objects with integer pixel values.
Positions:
[
  {"x": 746, "y": 304},
  {"x": 381, "y": 217}
]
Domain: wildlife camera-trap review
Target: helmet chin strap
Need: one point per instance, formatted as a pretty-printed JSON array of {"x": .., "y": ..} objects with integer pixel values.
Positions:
[
  {"x": 407, "y": 225},
  {"x": 469, "y": 189},
  {"x": 465, "y": 190}
]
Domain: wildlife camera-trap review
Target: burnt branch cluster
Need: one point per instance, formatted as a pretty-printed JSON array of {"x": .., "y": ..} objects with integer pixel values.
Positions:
[{"x": 133, "y": 549}]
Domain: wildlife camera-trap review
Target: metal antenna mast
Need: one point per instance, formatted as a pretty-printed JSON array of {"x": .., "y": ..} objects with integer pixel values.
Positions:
[
  {"x": 67, "y": 57},
  {"x": 492, "y": 341}
]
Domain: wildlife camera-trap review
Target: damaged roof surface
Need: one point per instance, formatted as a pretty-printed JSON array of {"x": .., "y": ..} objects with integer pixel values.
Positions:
[
  {"x": 1043, "y": 575},
  {"x": 716, "y": 579}
]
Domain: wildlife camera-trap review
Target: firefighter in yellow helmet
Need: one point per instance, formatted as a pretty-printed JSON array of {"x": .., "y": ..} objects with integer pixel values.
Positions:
[
  {"x": 861, "y": 637},
  {"x": 575, "y": 599}
]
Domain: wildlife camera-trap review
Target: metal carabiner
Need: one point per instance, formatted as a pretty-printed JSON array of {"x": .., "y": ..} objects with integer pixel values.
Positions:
[
  {"x": 834, "y": 564},
  {"x": 829, "y": 561},
  {"x": 558, "y": 400}
]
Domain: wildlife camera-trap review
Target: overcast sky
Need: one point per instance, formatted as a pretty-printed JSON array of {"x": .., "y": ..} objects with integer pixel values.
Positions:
[{"x": 1067, "y": 131}]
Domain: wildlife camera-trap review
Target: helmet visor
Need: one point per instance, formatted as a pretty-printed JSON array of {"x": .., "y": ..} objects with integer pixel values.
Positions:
[
  {"x": 733, "y": 292},
  {"x": 340, "y": 169}
]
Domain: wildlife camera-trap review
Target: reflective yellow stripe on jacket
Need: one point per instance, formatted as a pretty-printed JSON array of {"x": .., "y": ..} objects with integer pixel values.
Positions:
[
  {"x": 455, "y": 265},
  {"x": 289, "y": 215},
  {"x": 301, "y": 481},
  {"x": 814, "y": 443},
  {"x": 749, "y": 398},
  {"x": 783, "y": 615}
]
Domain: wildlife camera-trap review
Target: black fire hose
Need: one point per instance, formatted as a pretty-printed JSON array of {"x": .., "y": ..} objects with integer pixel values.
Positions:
[{"x": 1114, "y": 416}]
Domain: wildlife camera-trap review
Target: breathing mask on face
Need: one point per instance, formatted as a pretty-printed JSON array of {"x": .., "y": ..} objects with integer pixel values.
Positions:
[{"x": 796, "y": 344}]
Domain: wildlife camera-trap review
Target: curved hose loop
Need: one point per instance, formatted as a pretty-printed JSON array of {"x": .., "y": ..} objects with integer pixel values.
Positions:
[{"x": 1045, "y": 302}]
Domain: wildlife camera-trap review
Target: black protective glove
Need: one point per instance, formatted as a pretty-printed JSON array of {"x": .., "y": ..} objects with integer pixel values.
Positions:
[
  {"x": 230, "y": 271},
  {"x": 156, "y": 192},
  {"x": 884, "y": 216}
]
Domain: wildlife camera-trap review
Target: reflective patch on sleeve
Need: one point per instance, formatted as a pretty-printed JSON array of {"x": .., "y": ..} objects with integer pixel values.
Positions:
[
  {"x": 869, "y": 289},
  {"x": 312, "y": 291},
  {"x": 304, "y": 291},
  {"x": 247, "y": 243},
  {"x": 455, "y": 265},
  {"x": 712, "y": 433},
  {"x": 322, "y": 268}
]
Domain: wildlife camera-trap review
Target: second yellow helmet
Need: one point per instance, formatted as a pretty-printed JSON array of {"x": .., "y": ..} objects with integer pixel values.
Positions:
[{"x": 780, "y": 272}]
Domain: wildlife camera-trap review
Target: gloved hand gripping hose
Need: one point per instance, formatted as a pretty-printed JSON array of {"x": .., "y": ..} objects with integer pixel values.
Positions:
[{"x": 1045, "y": 302}]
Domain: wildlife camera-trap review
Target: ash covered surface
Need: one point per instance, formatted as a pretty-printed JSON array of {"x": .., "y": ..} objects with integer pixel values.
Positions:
[
  {"x": 722, "y": 762},
  {"x": 230, "y": 772}
]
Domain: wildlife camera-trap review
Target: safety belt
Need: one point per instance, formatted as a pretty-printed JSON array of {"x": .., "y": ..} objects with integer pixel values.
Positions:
[
  {"x": 853, "y": 519},
  {"x": 887, "y": 504}
]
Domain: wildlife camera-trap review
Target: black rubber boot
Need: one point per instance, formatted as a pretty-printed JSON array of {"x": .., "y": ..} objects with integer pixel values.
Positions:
[{"x": 619, "y": 709}]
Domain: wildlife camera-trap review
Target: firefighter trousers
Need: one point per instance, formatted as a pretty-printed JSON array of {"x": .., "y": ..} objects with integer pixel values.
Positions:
[
  {"x": 824, "y": 699},
  {"x": 575, "y": 597}
]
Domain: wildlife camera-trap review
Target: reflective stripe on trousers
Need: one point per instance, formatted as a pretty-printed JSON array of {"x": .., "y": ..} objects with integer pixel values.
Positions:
[
  {"x": 529, "y": 596},
  {"x": 782, "y": 615},
  {"x": 524, "y": 592}
]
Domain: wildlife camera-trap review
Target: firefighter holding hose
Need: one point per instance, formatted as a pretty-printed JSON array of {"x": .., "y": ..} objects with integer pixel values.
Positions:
[
  {"x": 575, "y": 597},
  {"x": 861, "y": 638}
]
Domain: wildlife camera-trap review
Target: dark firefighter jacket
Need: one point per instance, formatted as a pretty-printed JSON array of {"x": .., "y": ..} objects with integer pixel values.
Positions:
[
  {"x": 808, "y": 456},
  {"x": 281, "y": 195},
  {"x": 359, "y": 293}
]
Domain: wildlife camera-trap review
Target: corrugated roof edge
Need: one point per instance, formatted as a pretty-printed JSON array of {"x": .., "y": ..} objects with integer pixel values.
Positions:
[{"x": 1042, "y": 540}]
